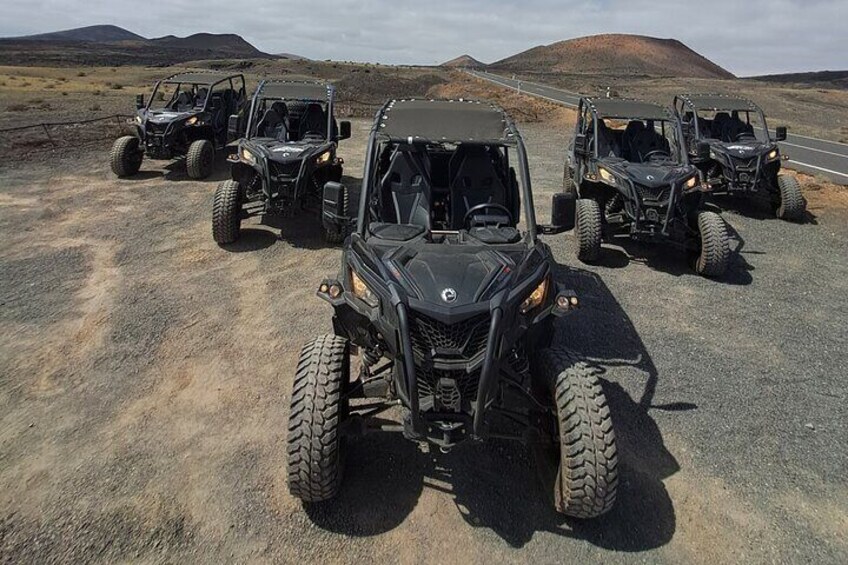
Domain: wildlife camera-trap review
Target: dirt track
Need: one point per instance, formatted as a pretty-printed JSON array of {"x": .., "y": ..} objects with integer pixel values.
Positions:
[{"x": 145, "y": 373}]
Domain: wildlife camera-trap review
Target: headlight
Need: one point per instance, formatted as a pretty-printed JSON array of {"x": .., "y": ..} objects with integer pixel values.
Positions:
[
  {"x": 247, "y": 156},
  {"x": 191, "y": 121},
  {"x": 535, "y": 298},
  {"x": 361, "y": 290},
  {"x": 773, "y": 154},
  {"x": 606, "y": 175},
  {"x": 691, "y": 182},
  {"x": 323, "y": 158},
  {"x": 138, "y": 120}
]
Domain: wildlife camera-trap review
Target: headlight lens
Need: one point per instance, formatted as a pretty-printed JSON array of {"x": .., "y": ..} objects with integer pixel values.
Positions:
[
  {"x": 692, "y": 182},
  {"x": 773, "y": 154},
  {"x": 323, "y": 158},
  {"x": 191, "y": 121},
  {"x": 246, "y": 155},
  {"x": 535, "y": 298},
  {"x": 361, "y": 290},
  {"x": 606, "y": 175},
  {"x": 138, "y": 120}
]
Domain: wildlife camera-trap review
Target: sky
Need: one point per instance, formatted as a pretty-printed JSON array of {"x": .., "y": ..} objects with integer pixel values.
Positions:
[{"x": 747, "y": 37}]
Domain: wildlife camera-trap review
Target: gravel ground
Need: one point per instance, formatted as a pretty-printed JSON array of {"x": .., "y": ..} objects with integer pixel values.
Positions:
[{"x": 145, "y": 375}]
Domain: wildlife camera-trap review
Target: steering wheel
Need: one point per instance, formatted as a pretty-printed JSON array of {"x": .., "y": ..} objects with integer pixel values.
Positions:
[
  {"x": 655, "y": 153},
  {"x": 487, "y": 206}
]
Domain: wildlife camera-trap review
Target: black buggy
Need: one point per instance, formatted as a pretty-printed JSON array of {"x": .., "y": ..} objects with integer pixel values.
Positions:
[
  {"x": 631, "y": 170},
  {"x": 743, "y": 159},
  {"x": 447, "y": 307},
  {"x": 187, "y": 115},
  {"x": 287, "y": 154}
]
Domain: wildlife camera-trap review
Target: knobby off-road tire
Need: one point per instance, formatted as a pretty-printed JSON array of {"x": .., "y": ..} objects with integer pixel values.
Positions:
[
  {"x": 588, "y": 228},
  {"x": 226, "y": 212},
  {"x": 792, "y": 204},
  {"x": 126, "y": 156},
  {"x": 714, "y": 257},
  {"x": 318, "y": 407},
  {"x": 567, "y": 180},
  {"x": 587, "y": 478},
  {"x": 335, "y": 235},
  {"x": 200, "y": 159}
]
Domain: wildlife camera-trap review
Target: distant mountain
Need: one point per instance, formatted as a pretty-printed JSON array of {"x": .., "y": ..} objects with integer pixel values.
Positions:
[
  {"x": 227, "y": 44},
  {"x": 117, "y": 46},
  {"x": 619, "y": 54},
  {"x": 91, "y": 34},
  {"x": 831, "y": 79},
  {"x": 464, "y": 61}
]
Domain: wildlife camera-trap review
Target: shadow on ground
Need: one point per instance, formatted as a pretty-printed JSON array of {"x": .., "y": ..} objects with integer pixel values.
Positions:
[
  {"x": 663, "y": 257},
  {"x": 301, "y": 228},
  {"x": 754, "y": 207},
  {"x": 495, "y": 485}
]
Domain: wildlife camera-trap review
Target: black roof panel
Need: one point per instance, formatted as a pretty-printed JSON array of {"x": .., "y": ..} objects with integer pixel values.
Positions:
[
  {"x": 445, "y": 120},
  {"x": 632, "y": 109}
]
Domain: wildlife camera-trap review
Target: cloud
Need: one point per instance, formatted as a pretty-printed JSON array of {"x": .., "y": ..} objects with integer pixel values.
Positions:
[{"x": 753, "y": 37}]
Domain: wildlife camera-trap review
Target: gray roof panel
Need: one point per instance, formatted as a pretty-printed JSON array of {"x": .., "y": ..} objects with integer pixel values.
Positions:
[
  {"x": 629, "y": 109},
  {"x": 197, "y": 78},
  {"x": 295, "y": 90},
  {"x": 718, "y": 102},
  {"x": 445, "y": 120}
]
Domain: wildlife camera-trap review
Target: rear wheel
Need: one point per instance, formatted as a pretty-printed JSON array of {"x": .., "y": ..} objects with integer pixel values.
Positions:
[
  {"x": 714, "y": 256},
  {"x": 792, "y": 204},
  {"x": 126, "y": 156},
  {"x": 318, "y": 408},
  {"x": 588, "y": 224},
  {"x": 587, "y": 474},
  {"x": 200, "y": 159},
  {"x": 226, "y": 212}
]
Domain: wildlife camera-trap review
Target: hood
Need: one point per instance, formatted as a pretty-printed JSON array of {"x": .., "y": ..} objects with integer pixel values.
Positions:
[
  {"x": 289, "y": 152},
  {"x": 742, "y": 149},
  {"x": 165, "y": 116},
  {"x": 454, "y": 276},
  {"x": 653, "y": 175}
]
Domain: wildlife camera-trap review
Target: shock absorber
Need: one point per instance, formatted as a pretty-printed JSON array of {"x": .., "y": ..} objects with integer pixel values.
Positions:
[
  {"x": 614, "y": 205},
  {"x": 370, "y": 356}
]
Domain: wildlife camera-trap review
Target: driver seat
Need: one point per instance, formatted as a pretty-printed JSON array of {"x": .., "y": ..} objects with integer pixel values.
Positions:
[
  {"x": 405, "y": 188},
  {"x": 474, "y": 181},
  {"x": 313, "y": 122},
  {"x": 643, "y": 142}
]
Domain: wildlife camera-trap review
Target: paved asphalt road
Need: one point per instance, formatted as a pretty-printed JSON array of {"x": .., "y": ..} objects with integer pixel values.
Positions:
[{"x": 807, "y": 154}]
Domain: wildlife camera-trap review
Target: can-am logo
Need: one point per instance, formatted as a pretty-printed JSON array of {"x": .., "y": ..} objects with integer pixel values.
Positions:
[{"x": 449, "y": 295}]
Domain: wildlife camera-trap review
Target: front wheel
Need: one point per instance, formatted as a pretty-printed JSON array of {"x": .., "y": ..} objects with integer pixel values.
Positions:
[
  {"x": 226, "y": 213},
  {"x": 588, "y": 229},
  {"x": 200, "y": 159},
  {"x": 587, "y": 474},
  {"x": 792, "y": 204},
  {"x": 714, "y": 256},
  {"x": 568, "y": 180},
  {"x": 337, "y": 233},
  {"x": 126, "y": 156},
  {"x": 318, "y": 408}
]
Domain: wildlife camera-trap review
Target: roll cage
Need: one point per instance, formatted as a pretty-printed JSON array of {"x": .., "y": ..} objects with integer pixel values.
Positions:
[
  {"x": 685, "y": 104},
  {"x": 208, "y": 80},
  {"x": 444, "y": 125},
  {"x": 292, "y": 91},
  {"x": 590, "y": 111}
]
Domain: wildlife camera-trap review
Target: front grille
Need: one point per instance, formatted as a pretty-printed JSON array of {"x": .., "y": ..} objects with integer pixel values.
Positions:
[
  {"x": 654, "y": 194},
  {"x": 432, "y": 338},
  {"x": 285, "y": 170},
  {"x": 747, "y": 165},
  {"x": 156, "y": 129}
]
